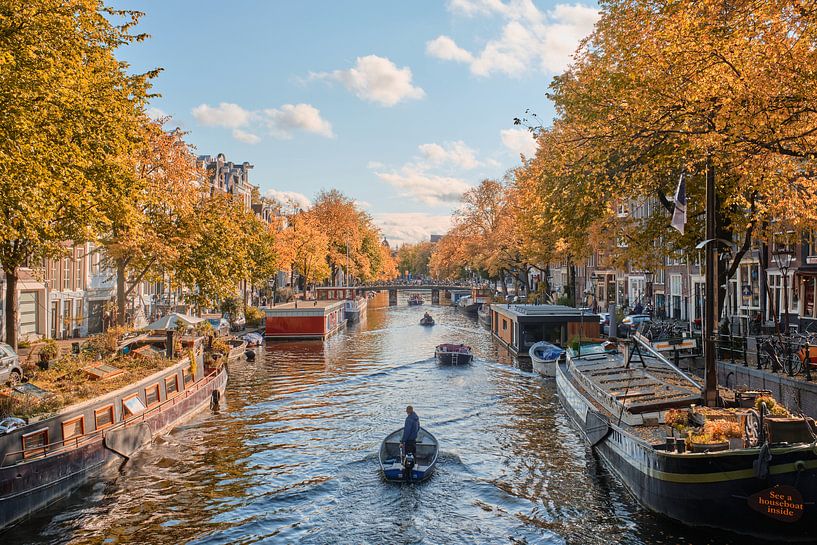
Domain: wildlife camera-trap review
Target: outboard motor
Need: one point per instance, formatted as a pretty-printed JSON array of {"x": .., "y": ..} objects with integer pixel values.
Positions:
[{"x": 408, "y": 465}]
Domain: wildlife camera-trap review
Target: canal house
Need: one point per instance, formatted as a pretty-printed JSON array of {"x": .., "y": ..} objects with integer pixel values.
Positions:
[
  {"x": 304, "y": 319},
  {"x": 518, "y": 327}
]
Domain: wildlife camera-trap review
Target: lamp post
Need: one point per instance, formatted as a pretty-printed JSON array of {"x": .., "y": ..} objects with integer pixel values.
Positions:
[
  {"x": 783, "y": 258},
  {"x": 648, "y": 279}
]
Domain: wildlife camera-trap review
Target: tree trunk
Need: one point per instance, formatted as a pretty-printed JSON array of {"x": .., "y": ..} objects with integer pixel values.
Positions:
[
  {"x": 12, "y": 307},
  {"x": 120, "y": 292}
]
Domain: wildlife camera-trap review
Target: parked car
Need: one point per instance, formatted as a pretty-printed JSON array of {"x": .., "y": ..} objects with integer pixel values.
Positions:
[
  {"x": 11, "y": 423},
  {"x": 631, "y": 323},
  {"x": 221, "y": 326},
  {"x": 10, "y": 369}
]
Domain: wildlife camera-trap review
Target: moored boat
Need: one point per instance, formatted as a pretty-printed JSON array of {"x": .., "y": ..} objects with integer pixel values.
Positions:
[
  {"x": 453, "y": 354},
  {"x": 415, "y": 300},
  {"x": 544, "y": 357},
  {"x": 760, "y": 486},
  {"x": 49, "y": 458},
  {"x": 393, "y": 462},
  {"x": 253, "y": 339},
  {"x": 427, "y": 320},
  {"x": 484, "y": 314},
  {"x": 237, "y": 346},
  {"x": 355, "y": 308}
]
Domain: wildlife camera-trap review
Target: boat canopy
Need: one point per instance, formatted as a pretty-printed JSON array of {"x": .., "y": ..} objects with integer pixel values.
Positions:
[{"x": 168, "y": 323}]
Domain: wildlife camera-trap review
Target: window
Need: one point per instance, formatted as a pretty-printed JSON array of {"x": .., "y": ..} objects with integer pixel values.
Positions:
[
  {"x": 152, "y": 395},
  {"x": 34, "y": 443},
  {"x": 78, "y": 277},
  {"x": 29, "y": 312},
  {"x": 104, "y": 417},
  {"x": 73, "y": 428},
  {"x": 750, "y": 285},
  {"x": 95, "y": 263},
  {"x": 188, "y": 376},
  {"x": 66, "y": 273},
  {"x": 132, "y": 405},
  {"x": 78, "y": 313},
  {"x": 504, "y": 324},
  {"x": 55, "y": 273},
  {"x": 171, "y": 386}
]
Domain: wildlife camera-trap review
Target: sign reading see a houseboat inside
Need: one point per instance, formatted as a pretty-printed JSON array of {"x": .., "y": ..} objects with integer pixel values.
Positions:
[{"x": 780, "y": 502}]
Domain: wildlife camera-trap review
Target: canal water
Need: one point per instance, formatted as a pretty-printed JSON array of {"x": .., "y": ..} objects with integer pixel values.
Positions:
[{"x": 292, "y": 456}]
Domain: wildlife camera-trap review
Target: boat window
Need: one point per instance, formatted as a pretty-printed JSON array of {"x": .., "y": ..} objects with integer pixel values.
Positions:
[
  {"x": 188, "y": 376},
  {"x": 133, "y": 406},
  {"x": 171, "y": 385},
  {"x": 104, "y": 417},
  {"x": 73, "y": 428},
  {"x": 152, "y": 395},
  {"x": 34, "y": 443},
  {"x": 504, "y": 324}
]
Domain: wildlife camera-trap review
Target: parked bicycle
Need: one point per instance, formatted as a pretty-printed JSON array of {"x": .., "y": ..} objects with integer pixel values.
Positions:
[{"x": 779, "y": 354}]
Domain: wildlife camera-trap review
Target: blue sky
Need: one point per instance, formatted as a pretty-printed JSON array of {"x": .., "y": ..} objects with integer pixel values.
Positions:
[{"x": 401, "y": 105}]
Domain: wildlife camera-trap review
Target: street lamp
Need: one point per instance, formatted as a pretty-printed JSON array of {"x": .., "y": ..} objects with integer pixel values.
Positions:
[{"x": 783, "y": 258}]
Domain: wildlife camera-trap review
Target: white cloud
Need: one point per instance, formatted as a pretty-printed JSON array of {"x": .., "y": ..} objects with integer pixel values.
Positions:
[
  {"x": 519, "y": 141},
  {"x": 530, "y": 39},
  {"x": 281, "y": 122},
  {"x": 403, "y": 227},
  {"x": 155, "y": 113},
  {"x": 374, "y": 165},
  {"x": 430, "y": 189},
  {"x": 225, "y": 114},
  {"x": 443, "y": 47},
  {"x": 376, "y": 79},
  {"x": 363, "y": 204},
  {"x": 289, "y": 199},
  {"x": 246, "y": 137},
  {"x": 455, "y": 154}
]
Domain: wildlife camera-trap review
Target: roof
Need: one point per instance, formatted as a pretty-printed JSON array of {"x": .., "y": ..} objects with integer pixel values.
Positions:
[{"x": 532, "y": 311}]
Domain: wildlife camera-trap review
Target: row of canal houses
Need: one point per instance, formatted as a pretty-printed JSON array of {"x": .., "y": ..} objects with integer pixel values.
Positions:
[
  {"x": 675, "y": 289},
  {"x": 73, "y": 296}
]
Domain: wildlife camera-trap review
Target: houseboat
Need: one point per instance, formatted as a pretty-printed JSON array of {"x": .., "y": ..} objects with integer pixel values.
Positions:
[
  {"x": 300, "y": 319},
  {"x": 49, "y": 457},
  {"x": 477, "y": 298},
  {"x": 519, "y": 327},
  {"x": 762, "y": 482},
  {"x": 484, "y": 314},
  {"x": 355, "y": 303}
]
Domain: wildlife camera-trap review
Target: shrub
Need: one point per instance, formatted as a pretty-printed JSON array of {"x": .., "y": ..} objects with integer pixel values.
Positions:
[
  {"x": 254, "y": 315},
  {"x": 677, "y": 418},
  {"x": 50, "y": 350},
  {"x": 721, "y": 430}
]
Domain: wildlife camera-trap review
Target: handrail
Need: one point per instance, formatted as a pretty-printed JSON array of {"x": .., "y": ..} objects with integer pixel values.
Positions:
[
  {"x": 644, "y": 342},
  {"x": 74, "y": 442}
]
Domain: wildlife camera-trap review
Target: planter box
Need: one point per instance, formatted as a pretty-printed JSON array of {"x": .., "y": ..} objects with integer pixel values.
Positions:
[
  {"x": 709, "y": 447},
  {"x": 789, "y": 430}
]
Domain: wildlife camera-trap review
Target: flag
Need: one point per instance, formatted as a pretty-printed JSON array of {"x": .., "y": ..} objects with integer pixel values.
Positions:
[{"x": 679, "y": 215}]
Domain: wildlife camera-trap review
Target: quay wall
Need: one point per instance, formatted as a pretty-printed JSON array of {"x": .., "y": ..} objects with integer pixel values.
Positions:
[{"x": 795, "y": 393}]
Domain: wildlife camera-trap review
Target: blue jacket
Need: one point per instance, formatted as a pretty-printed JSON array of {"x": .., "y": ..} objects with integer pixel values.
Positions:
[{"x": 411, "y": 428}]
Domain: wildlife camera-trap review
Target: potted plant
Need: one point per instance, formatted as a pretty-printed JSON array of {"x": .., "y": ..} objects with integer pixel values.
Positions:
[
  {"x": 726, "y": 430},
  {"x": 49, "y": 352},
  {"x": 704, "y": 442}
]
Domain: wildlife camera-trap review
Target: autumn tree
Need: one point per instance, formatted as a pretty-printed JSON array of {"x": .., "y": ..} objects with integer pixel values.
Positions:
[
  {"x": 663, "y": 89},
  {"x": 69, "y": 107},
  {"x": 215, "y": 259},
  {"x": 414, "y": 258},
  {"x": 146, "y": 217},
  {"x": 304, "y": 245}
]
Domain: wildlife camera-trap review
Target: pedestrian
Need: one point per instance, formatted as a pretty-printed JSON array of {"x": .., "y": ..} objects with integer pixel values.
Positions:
[{"x": 410, "y": 430}]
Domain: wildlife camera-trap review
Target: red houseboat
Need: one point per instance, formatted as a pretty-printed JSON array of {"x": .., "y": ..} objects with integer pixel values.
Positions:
[{"x": 304, "y": 320}]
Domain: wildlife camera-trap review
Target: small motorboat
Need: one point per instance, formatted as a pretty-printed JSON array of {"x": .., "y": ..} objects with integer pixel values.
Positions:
[
  {"x": 399, "y": 467},
  {"x": 426, "y": 320},
  {"x": 544, "y": 357},
  {"x": 453, "y": 354}
]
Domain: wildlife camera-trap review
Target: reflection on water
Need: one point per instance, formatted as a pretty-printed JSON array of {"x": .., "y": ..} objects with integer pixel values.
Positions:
[{"x": 291, "y": 458}]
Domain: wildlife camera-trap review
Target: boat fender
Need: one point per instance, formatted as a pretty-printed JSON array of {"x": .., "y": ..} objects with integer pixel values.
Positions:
[{"x": 215, "y": 399}]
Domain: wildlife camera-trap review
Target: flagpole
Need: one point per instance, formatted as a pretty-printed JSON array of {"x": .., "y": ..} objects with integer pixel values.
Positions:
[{"x": 710, "y": 307}]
